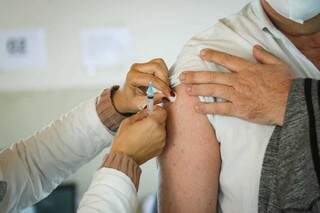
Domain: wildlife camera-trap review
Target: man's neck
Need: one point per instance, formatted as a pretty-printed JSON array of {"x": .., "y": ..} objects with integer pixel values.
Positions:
[
  {"x": 306, "y": 36},
  {"x": 289, "y": 27}
]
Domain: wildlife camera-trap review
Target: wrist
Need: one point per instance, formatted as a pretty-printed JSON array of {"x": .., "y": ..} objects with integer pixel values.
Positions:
[
  {"x": 278, "y": 120},
  {"x": 106, "y": 111},
  {"x": 125, "y": 164},
  {"x": 118, "y": 101},
  {"x": 119, "y": 148},
  {"x": 126, "y": 150},
  {"x": 278, "y": 111}
]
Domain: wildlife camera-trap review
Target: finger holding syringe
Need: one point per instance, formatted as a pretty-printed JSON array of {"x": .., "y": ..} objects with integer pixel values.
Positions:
[{"x": 132, "y": 96}]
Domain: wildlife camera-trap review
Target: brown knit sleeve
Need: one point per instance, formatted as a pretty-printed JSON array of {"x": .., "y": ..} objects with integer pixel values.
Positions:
[
  {"x": 124, "y": 164},
  {"x": 107, "y": 112}
]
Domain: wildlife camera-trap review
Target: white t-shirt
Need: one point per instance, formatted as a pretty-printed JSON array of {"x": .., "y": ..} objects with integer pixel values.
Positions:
[{"x": 243, "y": 144}]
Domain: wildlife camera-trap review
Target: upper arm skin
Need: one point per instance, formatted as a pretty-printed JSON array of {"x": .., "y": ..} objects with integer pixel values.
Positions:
[{"x": 190, "y": 165}]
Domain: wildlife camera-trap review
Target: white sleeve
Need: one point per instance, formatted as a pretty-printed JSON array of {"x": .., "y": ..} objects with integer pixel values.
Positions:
[
  {"x": 189, "y": 60},
  {"x": 34, "y": 167},
  {"x": 110, "y": 191}
]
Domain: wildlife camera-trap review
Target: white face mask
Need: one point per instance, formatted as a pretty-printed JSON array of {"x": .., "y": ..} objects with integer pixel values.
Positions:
[{"x": 296, "y": 10}]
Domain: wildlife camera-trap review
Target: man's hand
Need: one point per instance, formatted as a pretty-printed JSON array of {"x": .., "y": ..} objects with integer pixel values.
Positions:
[
  {"x": 132, "y": 94},
  {"x": 142, "y": 136},
  {"x": 254, "y": 92}
]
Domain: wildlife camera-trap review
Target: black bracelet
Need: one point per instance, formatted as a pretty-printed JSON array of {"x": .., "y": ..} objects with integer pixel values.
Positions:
[{"x": 112, "y": 92}]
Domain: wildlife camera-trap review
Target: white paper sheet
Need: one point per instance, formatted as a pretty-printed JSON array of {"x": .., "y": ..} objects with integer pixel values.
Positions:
[
  {"x": 105, "y": 47},
  {"x": 22, "y": 50}
]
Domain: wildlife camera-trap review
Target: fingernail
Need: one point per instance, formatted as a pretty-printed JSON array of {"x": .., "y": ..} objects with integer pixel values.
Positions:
[
  {"x": 172, "y": 94},
  {"x": 182, "y": 77},
  {"x": 258, "y": 47},
  {"x": 145, "y": 111}
]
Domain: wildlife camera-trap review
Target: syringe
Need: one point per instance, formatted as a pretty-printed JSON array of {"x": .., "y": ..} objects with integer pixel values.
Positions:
[{"x": 150, "y": 97}]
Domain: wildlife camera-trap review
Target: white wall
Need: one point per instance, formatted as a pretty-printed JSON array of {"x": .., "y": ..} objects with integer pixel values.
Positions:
[{"x": 31, "y": 98}]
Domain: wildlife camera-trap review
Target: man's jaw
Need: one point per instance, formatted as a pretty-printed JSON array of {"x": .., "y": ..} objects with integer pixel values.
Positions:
[{"x": 290, "y": 27}]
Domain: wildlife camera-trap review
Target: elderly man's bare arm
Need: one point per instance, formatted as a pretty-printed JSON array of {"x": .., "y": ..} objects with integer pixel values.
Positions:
[{"x": 189, "y": 168}]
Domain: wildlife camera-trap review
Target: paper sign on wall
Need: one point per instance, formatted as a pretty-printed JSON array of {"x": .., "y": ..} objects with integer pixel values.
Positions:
[
  {"x": 105, "y": 47},
  {"x": 22, "y": 49}
]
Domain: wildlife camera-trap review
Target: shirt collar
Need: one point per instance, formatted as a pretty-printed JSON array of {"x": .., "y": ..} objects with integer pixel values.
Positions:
[{"x": 263, "y": 20}]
